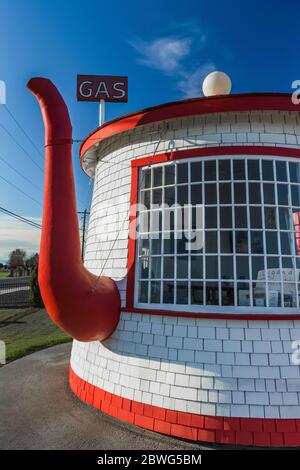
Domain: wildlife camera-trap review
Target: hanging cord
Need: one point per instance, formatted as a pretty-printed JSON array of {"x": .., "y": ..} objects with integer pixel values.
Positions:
[{"x": 162, "y": 134}]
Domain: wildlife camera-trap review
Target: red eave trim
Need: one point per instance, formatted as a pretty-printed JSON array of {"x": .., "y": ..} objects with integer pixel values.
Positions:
[
  {"x": 216, "y": 316},
  {"x": 196, "y": 106}
]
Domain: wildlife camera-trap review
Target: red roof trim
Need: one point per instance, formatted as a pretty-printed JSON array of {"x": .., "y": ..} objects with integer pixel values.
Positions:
[{"x": 195, "y": 106}]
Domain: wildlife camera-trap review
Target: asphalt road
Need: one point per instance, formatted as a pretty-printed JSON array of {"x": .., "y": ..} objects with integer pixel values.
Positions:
[{"x": 38, "y": 411}]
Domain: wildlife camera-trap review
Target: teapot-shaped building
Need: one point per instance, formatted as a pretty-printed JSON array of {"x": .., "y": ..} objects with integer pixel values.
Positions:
[{"x": 186, "y": 314}]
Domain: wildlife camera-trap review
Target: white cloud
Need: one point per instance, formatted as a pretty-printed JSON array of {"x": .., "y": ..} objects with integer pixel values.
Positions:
[
  {"x": 14, "y": 234},
  {"x": 191, "y": 83},
  {"x": 164, "y": 54},
  {"x": 172, "y": 55}
]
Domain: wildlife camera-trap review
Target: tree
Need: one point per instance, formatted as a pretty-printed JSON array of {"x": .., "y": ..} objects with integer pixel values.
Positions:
[
  {"x": 1, "y": 265},
  {"x": 35, "y": 294},
  {"x": 16, "y": 260},
  {"x": 31, "y": 263}
]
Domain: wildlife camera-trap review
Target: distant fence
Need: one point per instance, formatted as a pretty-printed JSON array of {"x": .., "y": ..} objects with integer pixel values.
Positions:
[{"x": 14, "y": 292}]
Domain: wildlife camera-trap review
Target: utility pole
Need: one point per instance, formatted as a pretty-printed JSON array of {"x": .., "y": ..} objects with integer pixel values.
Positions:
[{"x": 85, "y": 213}]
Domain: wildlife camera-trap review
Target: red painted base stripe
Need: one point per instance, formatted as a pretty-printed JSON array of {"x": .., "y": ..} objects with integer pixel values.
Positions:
[{"x": 217, "y": 429}]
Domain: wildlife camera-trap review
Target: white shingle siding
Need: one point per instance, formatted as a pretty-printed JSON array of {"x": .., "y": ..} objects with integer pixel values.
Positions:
[{"x": 220, "y": 367}]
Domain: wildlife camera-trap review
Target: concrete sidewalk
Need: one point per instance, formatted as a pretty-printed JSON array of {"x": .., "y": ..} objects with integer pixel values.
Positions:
[{"x": 38, "y": 411}]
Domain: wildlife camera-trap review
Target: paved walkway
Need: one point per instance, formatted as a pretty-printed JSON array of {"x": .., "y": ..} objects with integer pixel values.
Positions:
[{"x": 38, "y": 411}]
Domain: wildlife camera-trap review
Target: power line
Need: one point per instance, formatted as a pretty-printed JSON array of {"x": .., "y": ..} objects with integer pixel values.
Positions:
[
  {"x": 20, "y": 174},
  {"x": 21, "y": 147},
  {"x": 20, "y": 218},
  {"x": 23, "y": 130},
  {"x": 20, "y": 190}
]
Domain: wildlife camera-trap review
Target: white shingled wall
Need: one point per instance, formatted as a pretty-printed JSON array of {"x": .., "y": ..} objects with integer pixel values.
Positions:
[{"x": 214, "y": 367}]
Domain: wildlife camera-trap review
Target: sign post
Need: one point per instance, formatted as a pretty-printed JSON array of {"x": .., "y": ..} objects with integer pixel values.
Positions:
[{"x": 102, "y": 88}]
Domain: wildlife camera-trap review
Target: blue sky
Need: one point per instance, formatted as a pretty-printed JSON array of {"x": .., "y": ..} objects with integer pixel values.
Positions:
[{"x": 165, "y": 48}]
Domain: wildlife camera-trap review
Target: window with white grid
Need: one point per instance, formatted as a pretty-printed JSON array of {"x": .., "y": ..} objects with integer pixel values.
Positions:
[{"x": 248, "y": 239}]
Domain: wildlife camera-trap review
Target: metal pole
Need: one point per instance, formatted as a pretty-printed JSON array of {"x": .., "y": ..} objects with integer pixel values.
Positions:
[
  {"x": 101, "y": 112},
  {"x": 85, "y": 214}
]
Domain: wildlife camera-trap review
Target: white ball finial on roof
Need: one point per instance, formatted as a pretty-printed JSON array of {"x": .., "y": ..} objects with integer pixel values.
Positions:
[{"x": 216, "y": 83}]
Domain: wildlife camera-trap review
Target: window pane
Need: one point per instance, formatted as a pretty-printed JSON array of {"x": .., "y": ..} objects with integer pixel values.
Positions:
[
  {"x": 144, "y": 246},
  {"x": 226, "y": 242},
  {"x": 211, "y": 263},
  {"x": 243, "y": 294},
  {"x": 253, "y": 170},
  {"x": 284, "y": 218},
  {"x": 168, "y": 292},
  {"x": 295, "y": 192},
  {"x": 281, "y": 171},
  {"x": 270, "y": 217},
  {"x": 155, "y": 267},
  {"x": 157, "y": 196},
  {"x": 259, "y": 294},
  {"x": 145, "y": 199},
  {"x": 211, "y": 242},
  {"x": 286, "y": 243},
  {"x": 267, "y": 170},
  {"x": 183, "y": 244},
  {"x": 168, "y": 243},
  {"x": 197, "y": 293},
  {"x": 156, "y": 221},
  {"x": 241, "y": 242},
  {"x": 156, "y": 244},
  {"x": 182, "y": 195},
  {"x": 169, "y": 174},
  {"x": 196, "y": 194},
  {"x": 182, "y": 267},
  {"x": 225, "y": 193},
  {"x": 212, "y": 293},
  {"x": 282, "y": 191},
  {"x": 294, "y": 172},
  {"x": 196, "y": 267},
  {"x": 144, "y": 267},
  {"x": 210, "y": 193},
  {"x": 271, "y": 242},
  {"x": 254, "y": 193},
  {"x": 227, "y": 292},
  {"x": 272, "y": 262},
  {"x": 168, "y": 263},
  {"x": 182, "y": 173},
  {"x": 239, "y": 193},
  {"x": 157, "y": 176},
  {"x": 145, "y": 179},
  {"x": 143, "y": 292},
  {"x": 226, "y": 267},
  {"x": 210, "y": 170},
  {"x": 182, "y": 292},
  {"x": 257, "y": 245},
  {"x": 242, "y": 267},
  {"x": 210, "y": 217},
  {"x": 143, "y": 222},
  {"x": 225, "y": 217},
  {"x": 255, "y": 217},
  {"x": 257, "y": 266},
  {"x": 196, "y": 171},
  {"x": 269, "y": 195},
  {"x": 155, "y": 292},
  {"x": 241, "y": 217},
  {"x": 224, "y": 170},
  {"x": 170, "y": 196},
  {"x": 239, "y": 169}
]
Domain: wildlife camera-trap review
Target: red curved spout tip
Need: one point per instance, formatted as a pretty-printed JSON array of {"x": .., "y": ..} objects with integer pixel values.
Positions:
[{"x": 85, "y": 306}]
